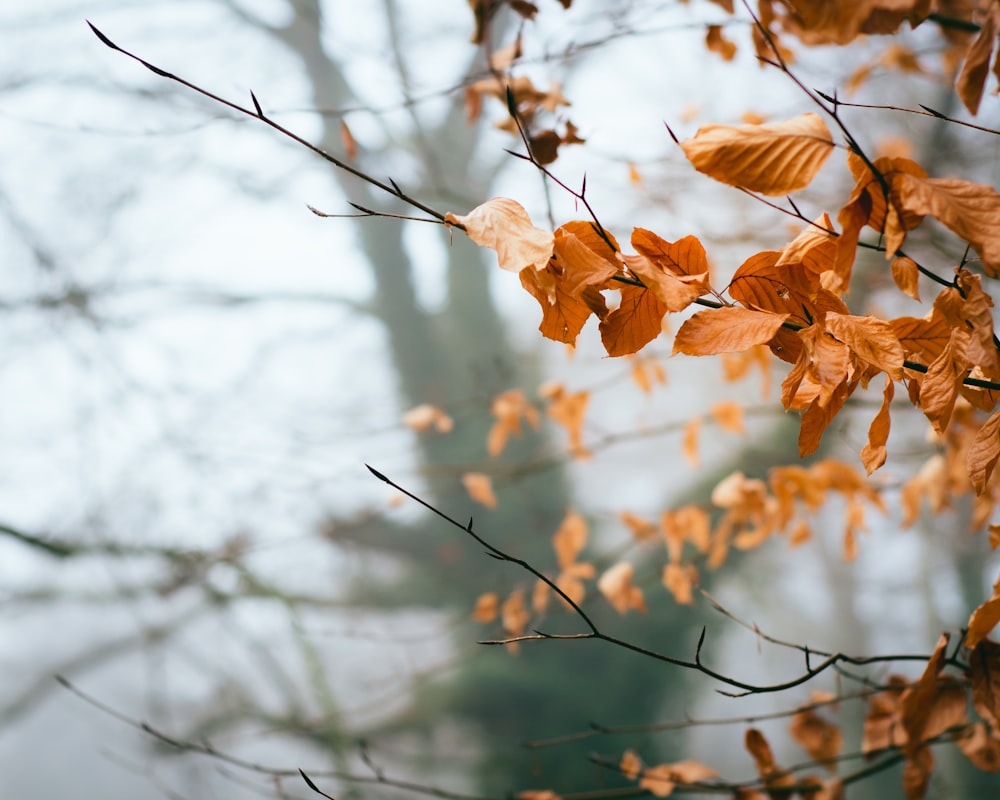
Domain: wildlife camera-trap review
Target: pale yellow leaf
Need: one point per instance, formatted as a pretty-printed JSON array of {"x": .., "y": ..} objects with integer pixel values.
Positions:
[{"x": 503, "y": 225}]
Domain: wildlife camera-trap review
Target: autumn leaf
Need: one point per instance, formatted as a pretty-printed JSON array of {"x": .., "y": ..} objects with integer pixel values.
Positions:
[
  {"x": 514, "y": 616},
  {"x": 509, "y": 408},
  {"x": 486, "y": 608},
  {"x": 984, "y": 676},
  {"x": 348, "y": 142},
  {"x": 635, "y": 323},
  {"x": 504, "y": 226},
  {"x": 616, "y": 585},
  {"x": 717, "y": 43},
  {"x": 984, "y": 619},
  {"x": 972, "y": 79},
  {"x": 728, "y": 415},
  {"x": 630, "y": 765},
  {"x": 984, "y": 452},
  {"x": 870, "y": 339},
  {"x": 970, "y": 210},
  {"x": 905, "y": 274},
  {"x": 982, "y": 749},
  {"x": 425, "y": 416},
  {"x": 775, "y": 158},
  {"x": 726, "y": 330},
  {"x": 772, "y": 775},
  {"x": 480, "y": 488},
  {"x": 569, "y": 539},
  {"x": 689, "y": 443},
  {"x": 568, "y": 409},
  {"x": 821, "y": 739},
  {"x": 679, "y": 581},
  {"x": 873, "y": 454}
]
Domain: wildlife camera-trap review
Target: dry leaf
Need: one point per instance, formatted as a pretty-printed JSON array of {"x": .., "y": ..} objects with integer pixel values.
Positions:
[
  {"x": 616, "y": 585},
  {"x": 425, "y": 416},
  {"x": 480, "y": 488},
  {"x": 726, "y": 330},
  {"x": 504, "y": 226},
  {"x": 775, "y": 158},
  {"x": 487, "y": 606}
]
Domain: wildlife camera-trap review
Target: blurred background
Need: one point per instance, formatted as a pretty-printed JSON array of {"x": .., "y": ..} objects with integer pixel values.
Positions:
[{"x": 195, "y": 370}]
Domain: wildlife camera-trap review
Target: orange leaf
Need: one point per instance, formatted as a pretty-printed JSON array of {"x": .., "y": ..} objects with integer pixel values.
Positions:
[
  {"x": 635, "y": 323},
  {"x": 873, "y": 453},
  {"x": 630, "y": 765},
  {"x": 480, "y": 488},
  {"x": 424, "y": 417},
  {"x": 972, "y": 79},
  {"x": 870, "y": 339},
  {"x": 970, "y": 210},
  {"x": 774, "y": 158},
  {"x": 984, "y": 452},
  {"x": 504, "y": 226},
  {"x": 347, "y": 141},
  {"x": 616, "y": 585},
  {"x": 569, "y": 410},
  {"x": 726, "y": 330},
  {"x": 690, "y": 443},
  {"x": 939, "y": 386},
  {"x": 563, "y": 314},
  {"x": 513, "y": 615},
  {"x": 486, "y": 608},
  {"x": 728, "y": 415},
  {"x": 717, "y": 43},
  {"x": 509, "y": 408},
  {"x": 658, "y": 780},
  {"x": 641, "y": 529},
  {"x": 905, "y": 273},
  {"x": 581, "y": 266},
  {"x": 984, "y": 618},
  {"x": 758, "y": 747},
  {"x": 570, "y": 539},
  {"x": 679, "y": 581}
]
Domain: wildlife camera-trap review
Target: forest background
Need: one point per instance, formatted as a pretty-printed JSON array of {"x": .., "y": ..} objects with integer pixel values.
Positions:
[{"x": 198, "y": 369}]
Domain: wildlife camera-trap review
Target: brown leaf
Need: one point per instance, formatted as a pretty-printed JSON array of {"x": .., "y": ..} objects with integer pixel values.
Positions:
[
  {"x": 821, "y": 739},
  {"x": 917, "y": 773},
  {"x": 635, "y": 323},
  {"x": 870, "y": 339},
  {"x": 883, "y": 724},
  {"x": 768, "y": 770},
  {"x": 569, "y": 409},
  {"x": 717, "y": 43},
  {"x": 984, "y": 677},
  {"x": 774, "y": 158},
  {"x": 504, "y": 226},
  {"x": 970, "y": 210},
  {"x": 658, "y": 780},
  {"x": 984, "y": 619},
  {"x": 983, "y": 453},
  {"x": 726, "y": 330},
  {"x": 480, "y": 488},
  {"x": 581, "y": 264},
  {"x": 933, "y": 704},
  {"x": 905, "y": 274},
  {"x": 939, "y": 386},
  {"x": 972, "y": 79},
  {"x": 873, "y": 453},
  {"x": 980, "y": 748},
  {"x": 641, "y": 529}
]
